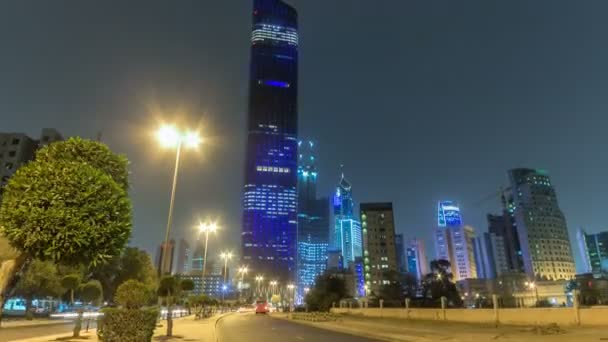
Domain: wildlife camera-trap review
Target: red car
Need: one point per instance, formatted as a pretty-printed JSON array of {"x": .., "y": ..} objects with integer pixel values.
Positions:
[{"x": 261, "y": 307}]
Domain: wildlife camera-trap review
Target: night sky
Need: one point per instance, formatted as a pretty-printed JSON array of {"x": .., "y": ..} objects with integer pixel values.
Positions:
[{"x": 420, "y": 101}]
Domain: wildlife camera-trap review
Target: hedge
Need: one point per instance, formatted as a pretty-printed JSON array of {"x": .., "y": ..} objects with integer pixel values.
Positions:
[{"x": 127, "y": 325}]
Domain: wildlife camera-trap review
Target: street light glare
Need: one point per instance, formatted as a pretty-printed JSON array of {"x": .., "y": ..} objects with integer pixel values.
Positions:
[
  {"x": 207, "y": 227},
  {"x": 168, "y": 136},
  {"x": 191, "y": 139}
]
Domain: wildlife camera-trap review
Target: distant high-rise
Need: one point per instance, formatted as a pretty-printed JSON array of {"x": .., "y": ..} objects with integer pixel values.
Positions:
[
  {"x": 347, "y": 229},
  {"x": 165, "y": 266},
  {"x": 541, "y": 226},
  {"x": 313, "y": 220},
  {"x": 417, "y": 263},
  {"x": 269, "y": 234},
  {"x": 379, "y": 256},
  {"x": 454, "y": 241},
  {"x": 504, "y": 226},
  {"x": 490, "y": 256},
  {"x": 184, "y": 253},
  {"x": 17, "y": 149},
  {"x": 594, "y": 251},
  {"x": 400, "y": 250},
  {"x": 198, "y": 259}
]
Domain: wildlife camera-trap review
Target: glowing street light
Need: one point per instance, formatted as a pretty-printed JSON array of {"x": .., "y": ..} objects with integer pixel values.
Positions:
[
  {"x": 273, "y": 285},
  {"x": 226, "y": 256},
  {"x": 258, "y": 280},
  {"x": 207, "y": 227},
  {"x": 170, "y": 137}
]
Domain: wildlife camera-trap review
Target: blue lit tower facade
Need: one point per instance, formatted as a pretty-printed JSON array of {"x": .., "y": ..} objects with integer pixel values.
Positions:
[
  {"x": 313, "y": 220},
  {"x": 347, "y": 230},
  {"x": 269, "y": 196},
  {"x": 454, "y": 241}
]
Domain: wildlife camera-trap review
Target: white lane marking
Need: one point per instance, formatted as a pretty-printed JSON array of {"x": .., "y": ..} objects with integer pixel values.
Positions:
[{"x": 300, "y": 338}]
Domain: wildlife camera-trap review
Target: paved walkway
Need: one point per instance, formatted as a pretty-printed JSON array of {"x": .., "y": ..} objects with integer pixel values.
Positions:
[
  {"x": 13, "y": 323},
  {"x": 424, "y": 331},
  {"x": 184, "y": 329}
]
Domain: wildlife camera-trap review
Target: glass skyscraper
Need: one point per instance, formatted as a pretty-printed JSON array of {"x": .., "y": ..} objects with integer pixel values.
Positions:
[
  {"x": 269, "y": 234},
  {"x": 313, "y": 220},
  {"x": 594, "y": 251},
  {"x": 347, "y": 230}
]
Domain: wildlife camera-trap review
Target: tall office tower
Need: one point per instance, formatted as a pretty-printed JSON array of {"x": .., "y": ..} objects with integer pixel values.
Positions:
[
  {"x": 594, "y": 251},
  {"x": 400, "y": 250},
  {"x": 416, "y": 261},
  {"x": 347, "y": 229},
  {"x": 504, "y": 226},
  {"x": 380, "y": 256},
  {"x": 313, "y": 220},
  {"x": 17, "y": 149},
  {"x": 541, "y": 226},
  {"x": 490, "y": 256},
  {"x": 454, "y": 241},
  {"x": 166, "y": 267},
  {"x": 184, "y": 254},
  {"x": 269, "y": 196},
  {"x": 198, "y": 259}
]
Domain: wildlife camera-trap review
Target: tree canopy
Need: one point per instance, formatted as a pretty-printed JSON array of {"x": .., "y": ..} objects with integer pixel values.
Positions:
[
  {"x": 132, "y": 294},
  {"x": 91, "y": 292},
  {"x": 40, "y": 280},
  {"x": 439, "y": 283},
  {"x": 328, "y": 289}
]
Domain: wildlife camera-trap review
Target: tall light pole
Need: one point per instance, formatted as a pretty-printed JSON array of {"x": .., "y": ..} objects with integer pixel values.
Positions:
[
  {"x": 292, "y": 294},
  {"x": 243, "y": 270},
  {"x": 258, "y": 280},
  {"x": 225, "y": 256},
  {"x": 171, "y": 137},
  {"x": 207, "y": 227}
]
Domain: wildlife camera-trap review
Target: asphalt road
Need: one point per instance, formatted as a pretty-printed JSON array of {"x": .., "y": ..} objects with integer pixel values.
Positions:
[
  {"x": 251, "y": 327},
  {"x": 18, "y": 333}
]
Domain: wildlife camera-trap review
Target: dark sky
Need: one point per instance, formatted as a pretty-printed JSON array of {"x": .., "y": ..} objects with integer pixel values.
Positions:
[{"x": 421, "y": 101}]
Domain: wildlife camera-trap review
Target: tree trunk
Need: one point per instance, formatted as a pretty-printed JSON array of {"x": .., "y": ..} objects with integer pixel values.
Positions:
[
  {"x": 169, "y": 316},
  {"x": 78, "y": 325},
  {"x": 9, "y": 275},
  {"x": 72, "y": 297},
  {"x": 28, "y": 308}
]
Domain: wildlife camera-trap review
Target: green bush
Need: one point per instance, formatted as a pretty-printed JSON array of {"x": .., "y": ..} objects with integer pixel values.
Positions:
[
  {"x": 131, "y": 294},
  {"x": 126, "y": 325}
]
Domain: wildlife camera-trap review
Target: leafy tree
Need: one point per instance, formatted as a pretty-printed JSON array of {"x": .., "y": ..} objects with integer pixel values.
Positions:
[
  {"x": 132, "y": 264},
  {"x": 40, "y": 280},
  {"x": 132, "y": 294},
  {"x": 91, "y": 292},
  {"x": 94, "y": 153},
  {"x": 169, "y": 288},
  {"x": 328, "y": 289},
  {"x": 71, "y": 282},
  {"x": 392, "y": 293},
  {"x": 66, "y": 208},
  {"x": 439, "y": 284}
]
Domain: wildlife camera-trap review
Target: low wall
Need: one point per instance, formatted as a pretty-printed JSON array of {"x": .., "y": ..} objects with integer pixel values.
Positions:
[{"x": 521, "y": 316}]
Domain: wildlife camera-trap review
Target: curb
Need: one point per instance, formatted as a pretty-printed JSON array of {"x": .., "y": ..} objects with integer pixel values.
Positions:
[{"x": 220, "y": 317}]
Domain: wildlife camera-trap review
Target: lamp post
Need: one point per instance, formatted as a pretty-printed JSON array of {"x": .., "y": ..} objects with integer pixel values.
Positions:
[
  {"x": 242, "y": 270},
  {"x": 532, "y": 286},
  {"x": 171, "y": 137},
  {"x": 225, "y": 256},
  {"x": 207, "y": 227},
  {"x": 291, "y": 288},
  {"x": 258, "y": 280}
]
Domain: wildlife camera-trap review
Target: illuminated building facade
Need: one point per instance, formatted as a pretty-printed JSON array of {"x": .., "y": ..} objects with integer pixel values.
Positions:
[
  {"x": 594, "y": 251},
  {"x": 164, "y": 267},
  {"x": 454, "y": 241},
  {"x": 269, "y": 232},
  {"x": 490, "y": 256},
  {"x": 380, "y": 255},
  {"x": 541, "y": 226},
  {"x": 347, "y": 230},
  {"x": 313, "y": 220},
  {"x": 184, "y": 254},
  {"x": 416, "y": 261}
]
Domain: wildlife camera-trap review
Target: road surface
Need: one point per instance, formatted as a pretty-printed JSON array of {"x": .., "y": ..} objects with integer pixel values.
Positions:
[
  {"x": 248, "y": 327},
  {"x": 18, "y": 333}
]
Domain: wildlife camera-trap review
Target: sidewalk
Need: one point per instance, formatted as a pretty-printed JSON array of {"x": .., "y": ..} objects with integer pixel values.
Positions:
[
  {"x": 35, "y": 322},
  {"x": 184, "y": 329},
  {"x": 426, "y": 331}
]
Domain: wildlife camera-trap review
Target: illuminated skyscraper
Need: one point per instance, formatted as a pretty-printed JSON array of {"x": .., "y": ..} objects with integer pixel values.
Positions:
[
  {"x": 454, "y": 241},
  {"x": 347, "y": 230},
  {"x": 313, "y": 220},
  {"x": 184, "y": 255},
  {"x": 415, "y": 254},
  {"x": 269, "y": 196},
  {"x": 380, "y": 255},
  {"x": 541, "y": 226},
  {"x": 594, "y": 251}
]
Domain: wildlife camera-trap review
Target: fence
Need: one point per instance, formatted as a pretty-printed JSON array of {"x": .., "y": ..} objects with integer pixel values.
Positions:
[{"x": 594, "y": 316}]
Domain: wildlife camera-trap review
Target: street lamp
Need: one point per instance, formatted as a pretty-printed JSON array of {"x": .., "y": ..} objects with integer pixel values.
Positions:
[
  {"x": 225, "y": 256},
  {"x": 532, "y": 286},
  {"x": 242, "y": 270},
  {"x": 170, "y": 137},
  {"x": 292, "y": 291},
  {"x": 273, "y": 285},
  {"x": 207, "y": 227},
  {"x": 258, "y": 280}
]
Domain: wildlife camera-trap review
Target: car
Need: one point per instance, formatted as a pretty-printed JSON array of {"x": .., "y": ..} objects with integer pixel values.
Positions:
[{"x": 261, "y": 307}]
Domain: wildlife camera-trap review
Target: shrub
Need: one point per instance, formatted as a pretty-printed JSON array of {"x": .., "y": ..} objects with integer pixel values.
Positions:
[
  {"x": 127, "y": 325},
  {"x": 132, "y": 294}
]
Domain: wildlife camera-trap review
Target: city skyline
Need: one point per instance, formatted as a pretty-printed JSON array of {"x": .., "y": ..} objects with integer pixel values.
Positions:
[{"x": 116, "y": 100}]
